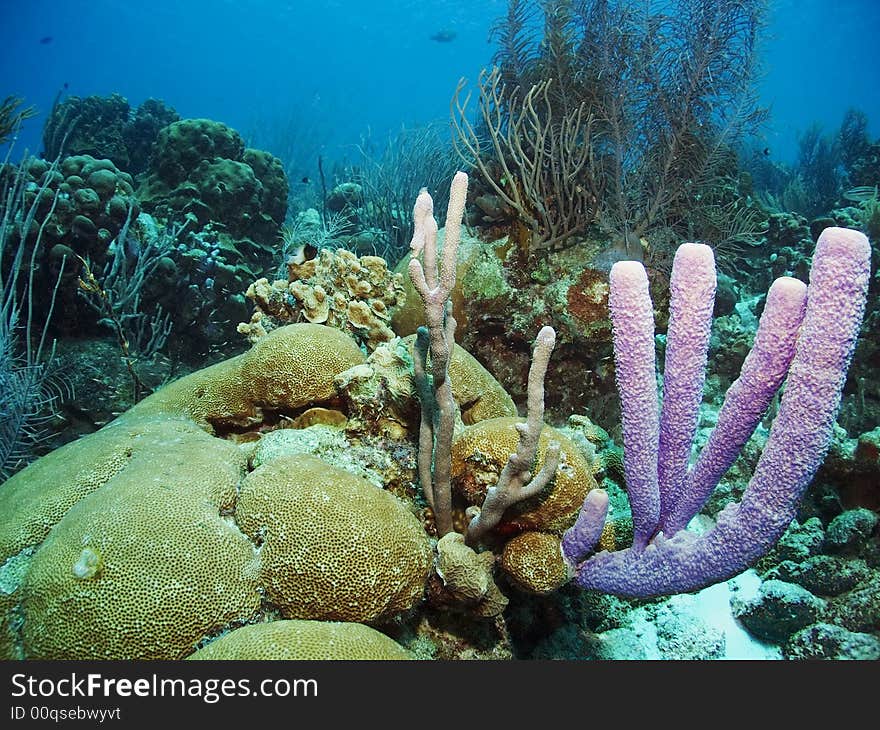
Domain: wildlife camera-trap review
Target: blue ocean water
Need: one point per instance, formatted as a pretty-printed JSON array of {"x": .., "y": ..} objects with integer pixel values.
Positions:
[{"x": 343, "y": 70}]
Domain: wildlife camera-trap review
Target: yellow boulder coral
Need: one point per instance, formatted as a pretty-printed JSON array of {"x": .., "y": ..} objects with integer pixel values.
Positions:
[
  {"x": 533, "y": 560},
  {"x": 335, "y": 547},
  {"x": 303, "y": 640},
  {"x": 147, "y": 564},
  {"x": 480, "y": 452},
  {"x": 289, "y": 368}
]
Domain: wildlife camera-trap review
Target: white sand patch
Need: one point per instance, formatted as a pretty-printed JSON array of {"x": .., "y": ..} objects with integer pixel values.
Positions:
[
  {"x": 712, "y": 605},
  {"x": 692, "y": 625}
]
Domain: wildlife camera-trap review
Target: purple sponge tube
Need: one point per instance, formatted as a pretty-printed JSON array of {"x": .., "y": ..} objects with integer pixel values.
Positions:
[
  {"x": 580, "y": 539},
  {"x": 632, "y": 318},
  {"x": 692, "y": 296}
]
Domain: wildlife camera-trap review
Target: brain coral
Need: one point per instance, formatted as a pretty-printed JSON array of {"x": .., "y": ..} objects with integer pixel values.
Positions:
[
  {"x": 288, "y": 369},
  {"x": 145, "y": 564},
  {"x": 335, "y": 547},
  {"x": 480, "y": 452},
  {"x": 308, "y": 640}
]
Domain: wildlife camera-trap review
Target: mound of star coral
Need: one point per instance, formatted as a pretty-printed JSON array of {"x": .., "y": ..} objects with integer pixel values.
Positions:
[
  {"x": 201, "y": 167},
  {"x": 136, "y": 561},
  {"x": 301, "y": 508},
  {"x": 310, "y": 640},
  {"x": 168, "y": 566},
  {"x": 293, "y": 367}
]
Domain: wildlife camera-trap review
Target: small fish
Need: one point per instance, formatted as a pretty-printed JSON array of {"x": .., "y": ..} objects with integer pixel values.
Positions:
[
  {"x": 861, "y": 193},
  {"x": 444, "y": 36},
  {"x": 302, "y": 253},
  {"x": 766, "y": 152},
  {"x": 45, "y": 40},
  {"x": 305, "y": 180}
]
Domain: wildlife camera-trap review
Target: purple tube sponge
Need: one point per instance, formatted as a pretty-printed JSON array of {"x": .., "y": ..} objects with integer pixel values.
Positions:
[
  {"x": 823, "y": 336},
  {"x": 632, "y": 317},
  {"x": 692, "y": 295},
  {"x": 583, "y": 536}
]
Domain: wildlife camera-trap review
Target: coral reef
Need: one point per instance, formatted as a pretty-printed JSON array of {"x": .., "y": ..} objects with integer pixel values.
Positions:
[
  {"x": 200, "y": 166},
  {"x": 106, "y": 127},
  {"x": 288, "y": 502},
  {"x": 499, "y": 303}
]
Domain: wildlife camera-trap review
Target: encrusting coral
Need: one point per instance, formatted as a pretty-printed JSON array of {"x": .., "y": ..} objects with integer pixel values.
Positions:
[
  {"x": 467, "y": 577},
  {"x": 336, "y": 288}
]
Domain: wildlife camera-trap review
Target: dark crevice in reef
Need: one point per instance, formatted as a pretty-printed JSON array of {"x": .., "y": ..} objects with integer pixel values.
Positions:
[{"x": 270, "y": 419}]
